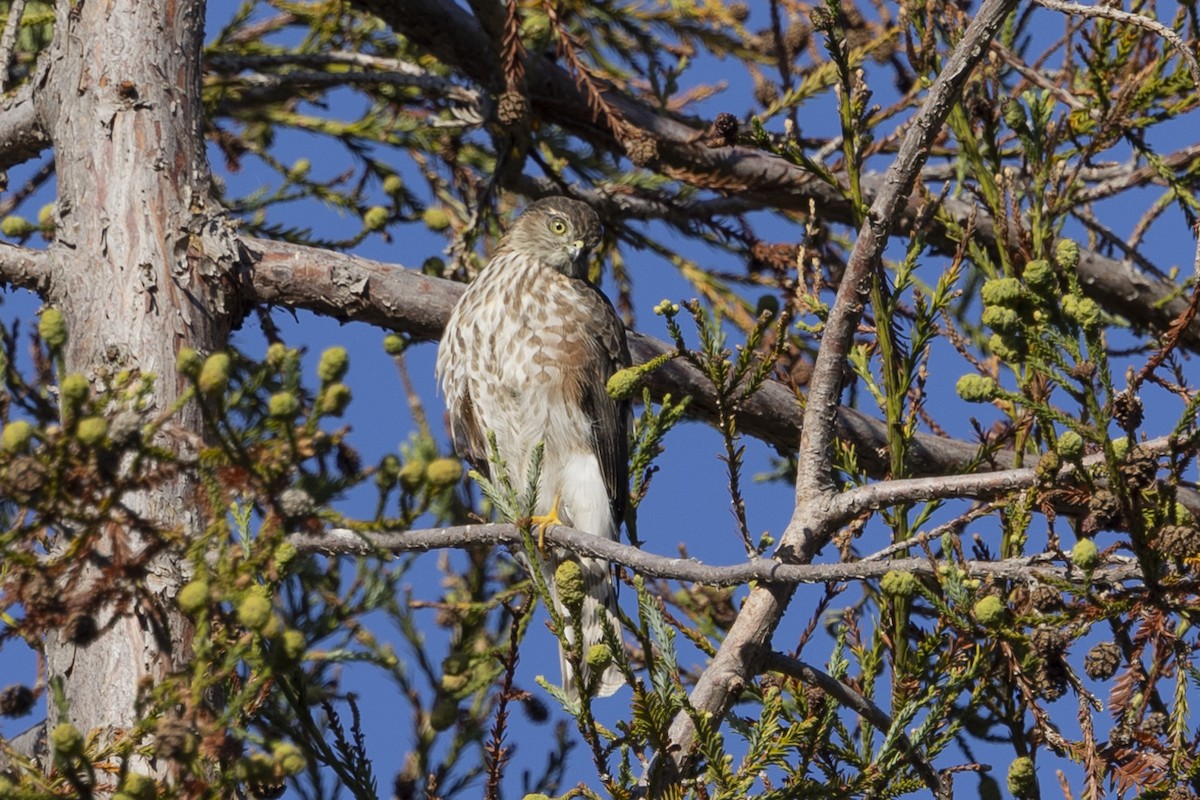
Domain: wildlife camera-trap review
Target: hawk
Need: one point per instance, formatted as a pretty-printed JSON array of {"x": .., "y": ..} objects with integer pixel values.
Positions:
[{"x": 526, "y": 355}]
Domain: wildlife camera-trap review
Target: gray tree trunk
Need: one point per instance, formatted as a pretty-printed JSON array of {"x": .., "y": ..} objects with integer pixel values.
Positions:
[{"x": 136, "y": 271}]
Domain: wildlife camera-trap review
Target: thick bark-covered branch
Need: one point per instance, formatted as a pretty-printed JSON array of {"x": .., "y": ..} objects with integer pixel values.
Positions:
[
  {"x": 343, "y": 541},
  {"x": 25, "y": 268},
  {"x": 350, "y": 288},
  {"x": 347, "y": 288},
  {"x": 22, "y": 134}
]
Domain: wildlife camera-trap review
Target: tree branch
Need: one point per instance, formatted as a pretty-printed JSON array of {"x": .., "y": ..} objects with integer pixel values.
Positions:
[
  {"x": 265, "y": 88},
  {"x": 346, "y": 542},
  {"x": 347, "y": 287},
  {"x": 754, "y": 177},
  {"x": 875, "y": 496},
  {"x": 747, "y": 641},
  {"x": 22, "y": 135},
  {"x": 1119, "y": 15},
  {"x": 25, "y": 268},
  {"x": 375, "y": 70}
]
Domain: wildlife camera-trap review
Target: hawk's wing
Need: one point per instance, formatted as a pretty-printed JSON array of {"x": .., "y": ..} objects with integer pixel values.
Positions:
[
  {"x": 453, "y": 361},
  {"x": 609, "y": 352},
  {"x": 466, "y": 435}
]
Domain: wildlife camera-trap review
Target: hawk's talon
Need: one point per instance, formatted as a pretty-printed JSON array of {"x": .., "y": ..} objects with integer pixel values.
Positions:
[{"x": 543, "y": 521}]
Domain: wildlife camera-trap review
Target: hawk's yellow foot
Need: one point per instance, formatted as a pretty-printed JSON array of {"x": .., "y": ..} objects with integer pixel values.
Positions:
[{"x": 543, "y": 521}]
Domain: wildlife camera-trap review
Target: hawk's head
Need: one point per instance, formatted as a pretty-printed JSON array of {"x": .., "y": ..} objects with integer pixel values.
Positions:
[{"x": 559, "y": 232}]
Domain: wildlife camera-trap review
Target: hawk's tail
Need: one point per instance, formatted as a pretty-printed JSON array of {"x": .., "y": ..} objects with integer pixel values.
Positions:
[{"x": 599, "y": 612}]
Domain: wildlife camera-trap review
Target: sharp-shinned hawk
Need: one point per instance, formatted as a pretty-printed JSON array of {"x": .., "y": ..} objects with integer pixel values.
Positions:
[{"x": 526, "y": 355}]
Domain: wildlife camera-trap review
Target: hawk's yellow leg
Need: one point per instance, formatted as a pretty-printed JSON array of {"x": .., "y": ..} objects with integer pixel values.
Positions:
[{"x": 543, "y": 521}]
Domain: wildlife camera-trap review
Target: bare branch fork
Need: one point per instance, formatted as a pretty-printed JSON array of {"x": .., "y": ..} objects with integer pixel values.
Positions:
[{"x": 813, "y": 521}]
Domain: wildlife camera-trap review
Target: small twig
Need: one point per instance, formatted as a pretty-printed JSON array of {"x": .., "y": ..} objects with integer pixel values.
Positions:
[
  {"x": 855, "y": 702},
  {"x": 1113, "y": 180},
  {"x": 1175, "y": 333},
  {"x": 44, "y": 173},
  {"x": 496, "y": 755},
  {"x": 1120, "y": 15},
  {"x": 1037, "y": 78},
  {"x": 416, "y": 408},
  {"x": 16, "y": 10},
  {"x": 925, "y": 537}
]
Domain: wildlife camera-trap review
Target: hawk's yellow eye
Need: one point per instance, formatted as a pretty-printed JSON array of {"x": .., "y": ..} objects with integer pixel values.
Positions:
[{"x": 558, "y": 226}]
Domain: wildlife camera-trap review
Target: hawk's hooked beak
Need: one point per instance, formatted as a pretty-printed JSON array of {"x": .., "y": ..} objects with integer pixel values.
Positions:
[{"x": 576, "y": 250}]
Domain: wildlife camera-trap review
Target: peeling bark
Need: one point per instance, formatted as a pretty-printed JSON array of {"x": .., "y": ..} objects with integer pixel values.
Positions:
[{"x": 137, "y": 274}]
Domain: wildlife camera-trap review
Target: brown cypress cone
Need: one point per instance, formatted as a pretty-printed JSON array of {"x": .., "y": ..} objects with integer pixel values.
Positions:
[
  {"x": 511, "y": 108},
  {"x": 1102, "y": 661},
  {"x": 1155, "y": 723},
  {"x": 1140, "y": 468},
  {"x": 1127, "y": 409},
  {"x": 16, "y": 701},
  {"x": 1121, "y": 736},
  {"x": 1046, "y": 597},
  {"x": 1104, "y": 509},
  {"x": 642, "y": 150},
  {"x": 1051, "y": 678},
  {"x": 1178, "y": 541}
]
